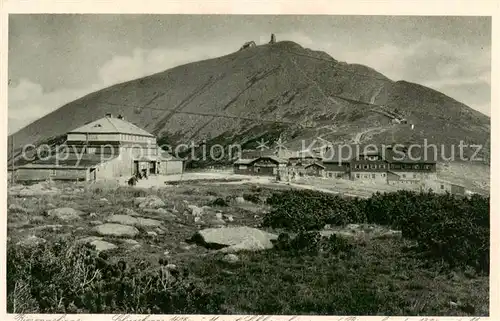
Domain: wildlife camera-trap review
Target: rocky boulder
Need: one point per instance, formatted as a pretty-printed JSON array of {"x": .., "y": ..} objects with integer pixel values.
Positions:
[
  {"x": 65, "y": 214},
  {"x": 31, "y": 241},
  {"x": 101, "y": 246},
  {"x": 151, "y": 201},
  {"x": 196, "y": 211},
  {"x": 234, "y": 238},
  {"x": 136, "y": 221},
  {"x": 112, "y": 229},
  {"x": 230, "y": 258}
]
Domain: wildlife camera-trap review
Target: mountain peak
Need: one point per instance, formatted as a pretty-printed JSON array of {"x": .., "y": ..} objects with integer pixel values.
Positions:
[{"x": 264, "y": 91}]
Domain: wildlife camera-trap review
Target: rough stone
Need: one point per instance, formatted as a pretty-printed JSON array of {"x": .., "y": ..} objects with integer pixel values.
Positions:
[
  {"x": 101, "y": 246},
  {"x": 31, "y": 241},
  {"x": 129, "y": 220},
  {"x": 122, "y": 219},
  {"x": 152, "y": 234},
  {"x": 130, "y": 242},
  {"x": 151, "y": 201},
  {"x": 130, "y": 212},
  {"x": 112, "y": 229},
  {"x": 235, "y": 238},
  {"x": 95, "y": 222},
  {"x": 18, "y": 209},
  {"x": 195, "y": 210},
  {"x": 159, "y": 231},
  {"x": 230, "y": 258},
  {"x": 229, "y": 218},
  {"x": 65, "y": 214},
  {"x": 147, "y": 222},
  {"x": 218, "y": 216},
  {"x": 37, "y": 219}
]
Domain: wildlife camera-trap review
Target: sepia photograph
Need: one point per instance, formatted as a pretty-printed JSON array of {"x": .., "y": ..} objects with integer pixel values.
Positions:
[{"x": 248, "y": 164}]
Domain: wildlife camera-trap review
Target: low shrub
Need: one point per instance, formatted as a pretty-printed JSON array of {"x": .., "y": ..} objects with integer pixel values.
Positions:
[
  {"x": 68, "y": 278},
  {"x": 219, "y": 202},
  {"x": 312, "y": 243},
  {"x": 253, "y": 198},
  {"x": 447, "y": 227}
]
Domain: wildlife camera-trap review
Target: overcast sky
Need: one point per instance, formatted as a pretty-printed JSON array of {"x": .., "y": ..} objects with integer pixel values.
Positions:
[{"x": 54, "y": 59}]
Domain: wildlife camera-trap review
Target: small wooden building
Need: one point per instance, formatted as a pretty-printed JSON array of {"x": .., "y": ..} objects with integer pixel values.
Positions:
[
  {"x": 262, "y": 166},
  {"x": 107, "y": 148},
  {"x": 314, "y": 169}
]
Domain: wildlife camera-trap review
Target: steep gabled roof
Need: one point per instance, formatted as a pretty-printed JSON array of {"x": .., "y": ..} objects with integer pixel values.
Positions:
[
  {"x": 245, "y": 161},
  {"x": 111, "y": 125},
  {"x": 315, "y": 164}
]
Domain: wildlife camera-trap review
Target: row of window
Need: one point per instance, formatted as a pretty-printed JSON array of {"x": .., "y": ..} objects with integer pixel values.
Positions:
[
  {"x": 135, "y": 138},
  {"x": 366, "y": 166},
  {"x": 373, "y": 176},
  {"x": 337, "y": 175},
  {"x": 394, "y": 166},
  {"x": 136, "y": 150}
]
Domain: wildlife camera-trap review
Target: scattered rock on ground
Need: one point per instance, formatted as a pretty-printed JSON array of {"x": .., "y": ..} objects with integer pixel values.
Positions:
[
  {"x": 113, "y": 229},
  {"x": 195, "y": 210},
  {"x": 53, "y": 228},
  {"x": 147, "y": 222},
  {"x": 65, "y": 213},
  {"x": 152, "y": 234},
  {"x": 217, "y": 222},
  {"x": 130, "y": 242},
  {"x": 101, "y": 246},
  {"x": 239, "y": 200},
  {"x": 37, "y": 219},
  {"x": 151, "y": 201},
  {"x": 34, "y": 190},
  {"x": 31, "y": 241},
  {"x": 171, "y": 267},
  {"x": 89, "y": 239},
  {"x": 159, "y": 231},
  {"x": 230, "y": 258},
  {"x": 129, "y": 220},
  {"x": 95, "y": 222},
  {"x": 122, "y": 219},
  {"x": 235, "y": 238},
  {"x": 229, "y": 218},
  {"x": 17, "y": 209},
  {"x": 218, "y": 216},
  {"x": 130, "y": 212}
]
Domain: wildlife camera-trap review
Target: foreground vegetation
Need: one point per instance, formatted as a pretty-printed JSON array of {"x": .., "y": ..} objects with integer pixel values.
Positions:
[{"x": 439, "y": 267}]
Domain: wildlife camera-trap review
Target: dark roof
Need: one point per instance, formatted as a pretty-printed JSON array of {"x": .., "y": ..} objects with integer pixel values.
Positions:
[
  {"x": 248, "y": 161},
  {"x": 305, "y": 157},
  {"x": 276, "y": 159},
  {"x": 399, "y": 153},
  {"x": 315, "y": 164}
]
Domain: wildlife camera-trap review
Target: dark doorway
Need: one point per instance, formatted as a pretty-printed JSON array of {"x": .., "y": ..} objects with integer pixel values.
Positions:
[
  {"x": 136, "y": 168},
  {"x": 92, "y": 174}
]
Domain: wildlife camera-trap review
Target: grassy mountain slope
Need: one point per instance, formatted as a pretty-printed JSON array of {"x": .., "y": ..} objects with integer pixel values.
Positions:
[{"x": 282, "y": 81}]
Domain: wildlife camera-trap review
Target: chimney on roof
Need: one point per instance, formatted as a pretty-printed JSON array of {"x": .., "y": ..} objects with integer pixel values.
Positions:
[
  {"x": 109, "y": 115},
  {"x": 120, "y": 117}
]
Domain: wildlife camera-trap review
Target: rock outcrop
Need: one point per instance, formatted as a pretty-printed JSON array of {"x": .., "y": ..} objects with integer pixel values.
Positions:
[{"x": 233, "y": 239}]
